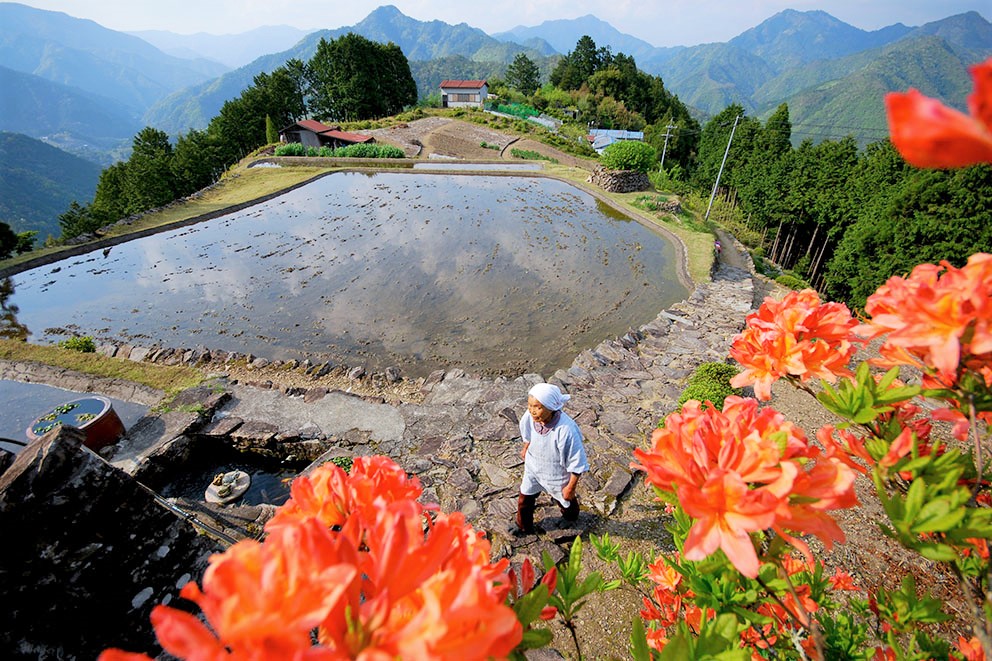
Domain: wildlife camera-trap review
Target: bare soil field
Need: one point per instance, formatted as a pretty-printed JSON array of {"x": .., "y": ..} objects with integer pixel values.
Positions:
[{"x": 446, "y": 138}]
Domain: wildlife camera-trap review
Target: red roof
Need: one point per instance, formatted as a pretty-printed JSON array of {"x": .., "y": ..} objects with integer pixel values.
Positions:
[
  {"x": 463, "y": 84},
  {"x": 347, "y": 137},
  {"x": 311, "y": 125}
]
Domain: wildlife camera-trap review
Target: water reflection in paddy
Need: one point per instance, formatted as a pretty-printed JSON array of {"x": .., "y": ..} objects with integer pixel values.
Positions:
[{"x": 493, "y": 274}]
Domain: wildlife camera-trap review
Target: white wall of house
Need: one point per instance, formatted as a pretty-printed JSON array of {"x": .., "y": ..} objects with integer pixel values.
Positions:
[{"x": 464, "y": 97}]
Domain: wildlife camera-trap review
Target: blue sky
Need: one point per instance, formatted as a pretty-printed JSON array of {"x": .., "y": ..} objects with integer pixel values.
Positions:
[{"x": 661, "y": 23}]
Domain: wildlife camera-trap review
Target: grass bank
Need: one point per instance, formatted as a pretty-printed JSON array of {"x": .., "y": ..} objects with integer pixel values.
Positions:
[{"x": 160, "y": 377}]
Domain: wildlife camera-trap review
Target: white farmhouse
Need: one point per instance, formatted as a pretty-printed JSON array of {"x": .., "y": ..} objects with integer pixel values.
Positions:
[{"x": 463, "y": 93}]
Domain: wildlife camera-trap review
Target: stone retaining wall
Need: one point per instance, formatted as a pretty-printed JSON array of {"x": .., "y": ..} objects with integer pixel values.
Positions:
[{"x": 619, "y": 181}]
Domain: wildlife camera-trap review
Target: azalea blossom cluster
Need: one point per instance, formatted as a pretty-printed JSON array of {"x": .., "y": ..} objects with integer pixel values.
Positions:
[
  {"x": 939, "y": 319},
  {"x": 928, "y": 134},
  {"x": 357, "y": 560},
  {"x": 796, "y": 337},
  {"x": 743, "y": 470}
]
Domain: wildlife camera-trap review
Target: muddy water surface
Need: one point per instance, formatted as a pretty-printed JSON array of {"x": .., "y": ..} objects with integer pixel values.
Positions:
[{"x": 497, "y": 275}]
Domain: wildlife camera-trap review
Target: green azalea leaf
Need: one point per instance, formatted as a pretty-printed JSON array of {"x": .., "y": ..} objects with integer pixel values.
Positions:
[
  {"x": 938, "y": 522},
  {"x": 639, "y": 649},
  {"x": 535, "y": 639},
  {"x": 528, "y": 607},
  {"x": 938, "y": 553},
  {"x": 914, "y": 498},
  {"x": 679, "y": 648}
]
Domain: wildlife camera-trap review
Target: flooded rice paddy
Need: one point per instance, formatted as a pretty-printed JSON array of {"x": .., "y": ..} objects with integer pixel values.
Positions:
[{"x": 494, "y": 274}]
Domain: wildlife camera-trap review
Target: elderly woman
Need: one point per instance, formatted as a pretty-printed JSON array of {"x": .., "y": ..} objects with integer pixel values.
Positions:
[{"x": 553, "y": 455}]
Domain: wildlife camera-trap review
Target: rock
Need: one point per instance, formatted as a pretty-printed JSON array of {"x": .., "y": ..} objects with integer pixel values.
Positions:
[
  {"x": 323, "y": 370},
  {"x": 393, "y": 374},
  {"x": 356, "y": 373},
  {"x": 314, "y": 394},
  {"x": 254, "y": 433},
  {"x": 102, "y": 534},
  {"x": 109, "y": 350},
  {"x": 222, "y": 426}
]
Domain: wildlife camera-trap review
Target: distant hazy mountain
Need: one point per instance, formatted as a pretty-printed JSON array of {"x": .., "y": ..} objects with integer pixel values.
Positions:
[
  {"x": 232, "y": 50},
  {"x": 82, "y": 54},
  {"x": 420, "y": 41},
  {"x": 792, "y": 38},
  {"x": 563, "y": 34},
  {"x": 968, "y": 34},
  {"x": 854, "y": 103},
  {"x": 79, "y": 122},
  {"x": 38, "y": 182},
  {"x": 832, "y": 75}
]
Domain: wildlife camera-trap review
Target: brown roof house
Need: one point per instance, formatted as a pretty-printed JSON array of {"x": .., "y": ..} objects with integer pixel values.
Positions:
[
  {"x": 463, "y": 93},
  {"x": 311, "y": 133}
]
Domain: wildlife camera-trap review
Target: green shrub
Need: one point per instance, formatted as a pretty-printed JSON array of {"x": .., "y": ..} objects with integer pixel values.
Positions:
[
  {"x": 710, "y": 382},
  {"x": 291, "y": 149},
  {"x": 344, "y": 463},
  {"x": 83, "y": 344},
  {"x": 792, "y": 282},
  {"x": 351, "y": 151},
  {"x": 531, "y": 155},
  {"x": 629, "y": 155},
  {"x": 369, "y": 151}
]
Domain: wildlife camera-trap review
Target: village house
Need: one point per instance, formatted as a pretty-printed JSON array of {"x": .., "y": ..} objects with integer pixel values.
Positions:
[
  {"x": 311, "y": 133},
  {"x": 600, "y": 139},
  {"x": 463, "y": 93}
]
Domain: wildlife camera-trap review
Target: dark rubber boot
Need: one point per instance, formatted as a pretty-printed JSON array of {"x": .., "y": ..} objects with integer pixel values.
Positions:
[
  {"x": 525, "y": 512},
  {"x": 570, "y": 513}
]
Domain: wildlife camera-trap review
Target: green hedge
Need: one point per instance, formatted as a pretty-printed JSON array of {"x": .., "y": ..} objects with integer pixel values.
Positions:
[
  {"x": 792, "y": 282},
  {"x": 629, "y": 155},
  {"x": 351, "y": 151},
  {"x": 710, "y": 382}
]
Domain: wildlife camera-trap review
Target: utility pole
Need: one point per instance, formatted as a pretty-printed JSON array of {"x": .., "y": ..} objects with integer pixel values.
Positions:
[
  {"x": 722, "y": 163},
  {"x": 668, "y": 132}
]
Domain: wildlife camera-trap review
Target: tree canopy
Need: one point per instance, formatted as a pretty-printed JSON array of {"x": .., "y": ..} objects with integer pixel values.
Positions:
[
  {"x": 352, "y": 78},
  {"x": 523, "y": 74}
]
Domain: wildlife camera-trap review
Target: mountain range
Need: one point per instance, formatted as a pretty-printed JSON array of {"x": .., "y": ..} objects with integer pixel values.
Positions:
[{"x": 86, "y": 89}]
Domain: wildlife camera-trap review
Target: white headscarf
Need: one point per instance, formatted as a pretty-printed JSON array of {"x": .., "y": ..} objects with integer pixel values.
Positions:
[{"x": 549, "y": 395}]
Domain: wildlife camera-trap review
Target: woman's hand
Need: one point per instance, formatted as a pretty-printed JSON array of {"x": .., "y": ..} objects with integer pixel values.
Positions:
[{"x": 568, "y": 491}]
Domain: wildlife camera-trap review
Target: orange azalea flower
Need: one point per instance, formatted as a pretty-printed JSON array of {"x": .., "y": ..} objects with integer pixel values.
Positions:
[
  {"x": 847, "y": 450},
  {"x": 268, "y": 594},
  {"x": 664, "y": 575},
  {"x": 120, "y": 655},
  {"x": 350, "y": 559},
  {"x": 841, "y": 580},
  {"x": 334, "y": 496},
  {"x": 798, "y": 336},
  {"x": 656, "y": 639},
  {"x": 928, "y": 134},
  {"x": 971, "y": 650},
  {"x": 726, "y": 511},
  {"x": 742, "y": 470},
  {"x": 939, "y": 316},
  {"x": 884, "y": 653}
]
